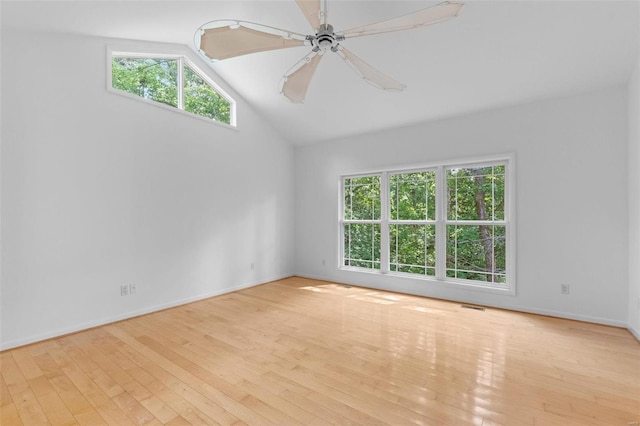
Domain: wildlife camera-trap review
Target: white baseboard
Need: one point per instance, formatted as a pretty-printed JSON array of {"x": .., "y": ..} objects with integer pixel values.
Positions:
[
  {"x": 147, "y": 310},
  {"x": 91, "y": 324},
  {"x": 524, "y": 309}
]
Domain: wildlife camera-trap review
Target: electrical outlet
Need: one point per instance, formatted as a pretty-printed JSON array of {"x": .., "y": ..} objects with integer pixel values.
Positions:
[
  {"x": 564, "y": 288},
  {"x": 324, "y": 263},
  {"x": 124, "y": 290},
  {"x": 132, "y": 288},
  {"x": 253, "y": 266}
]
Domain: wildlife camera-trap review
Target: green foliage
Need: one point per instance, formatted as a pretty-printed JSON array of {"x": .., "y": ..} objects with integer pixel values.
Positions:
[
  {"x": 362, "y": 245},
  {"x": 201, "y": 99},
  {"x": 157, "y": 80},
  {"x": 466, "y": 255},
  {"x": 474, "y": 251},
  {"x": 362, "y": 198},
  {"x": 464, "y": 185},
  {"x": 413, "y": 249},
  {"x": 413, "y": 196},
  {"x": 362, "y": 241},
  {"x": 154, "y": 79}
]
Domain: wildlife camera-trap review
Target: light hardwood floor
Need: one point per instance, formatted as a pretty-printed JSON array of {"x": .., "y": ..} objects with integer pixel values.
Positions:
[{"x": 299, "y": 351}]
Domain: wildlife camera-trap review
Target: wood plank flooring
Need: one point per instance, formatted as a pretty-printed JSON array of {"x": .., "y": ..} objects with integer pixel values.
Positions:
[{"x": 300, "y": 351}]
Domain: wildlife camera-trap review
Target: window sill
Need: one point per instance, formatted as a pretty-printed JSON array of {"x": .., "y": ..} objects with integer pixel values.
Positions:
[
  {"x": 504, "y": 289},
  {"x": 171, "y": 108}
]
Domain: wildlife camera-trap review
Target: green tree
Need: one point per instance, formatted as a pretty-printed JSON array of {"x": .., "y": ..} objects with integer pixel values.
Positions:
[
  {"x": 157, "y": 80},
  {"x": 476, "y": 251},
  {"x": 149, "y": 78},
  {"x": 201, "y": 99},
  {"x": 362, "y": 240},
  {"x": 412, "y": 246}
]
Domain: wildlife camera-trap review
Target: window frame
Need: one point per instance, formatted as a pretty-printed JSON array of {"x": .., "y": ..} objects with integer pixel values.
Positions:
[
  {"x": 361, "y": 221},
  {"x": 420, "y": 222},
  {"x": 182, "y": 61},
  {"x": 441, "y": 223}
]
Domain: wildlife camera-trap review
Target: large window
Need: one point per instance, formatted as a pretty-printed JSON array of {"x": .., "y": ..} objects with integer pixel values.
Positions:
[
  {"x": 172, "y": 81},
  {"x": 362, "y": 222},
  {"x": 449, "y": 222},
  {"x": 412, "y": 222}
]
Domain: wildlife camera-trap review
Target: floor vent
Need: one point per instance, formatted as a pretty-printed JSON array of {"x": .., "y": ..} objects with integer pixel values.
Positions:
[{"x": 475, "y": 308}]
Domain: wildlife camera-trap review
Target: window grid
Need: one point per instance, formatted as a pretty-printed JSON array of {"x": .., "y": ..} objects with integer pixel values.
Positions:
[
  {"x": 417, "y": 185},
  {"x": 489, "y": 230},
  {"x": 361, "y": 201}
]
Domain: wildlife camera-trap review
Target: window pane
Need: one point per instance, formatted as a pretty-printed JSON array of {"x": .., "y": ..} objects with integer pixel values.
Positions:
[
  {"x": 362, "y": 245},
  {"x": 201, "y": 99},
  {"x": 154, "y": 79},
  {"x": 476, "y": 252},
  {"x": 476, "y": 193},
  {"x": 362, "y": 198},
  {"x": 413, "y": 196},
  {"x": 413, "y": 249}
]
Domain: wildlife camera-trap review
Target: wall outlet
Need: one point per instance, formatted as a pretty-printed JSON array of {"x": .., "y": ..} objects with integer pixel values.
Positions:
[
  {"x": 124, "y": 290},
  {"x": 253, "y": 266},
  {"x": 132, "y": 288},
  {"x": 564, "y": 288},
  {"x": 324, "y": 263}
]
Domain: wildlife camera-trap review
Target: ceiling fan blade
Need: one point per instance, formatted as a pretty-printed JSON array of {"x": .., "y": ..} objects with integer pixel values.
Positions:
[
  {"x": 431, "y": 15},
  {"x": 314, "y": 11},
  {"x": 226, "y": 39},
  {"x": 369, "y": 73},
  {"x": 295, "y": 82}
]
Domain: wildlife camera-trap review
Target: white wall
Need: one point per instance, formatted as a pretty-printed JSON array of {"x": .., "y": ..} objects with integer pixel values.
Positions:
[
  {"x": 99, "y": 190},
  {"x": 571, "y": 167},
  {"x": 634, "y": 201}
]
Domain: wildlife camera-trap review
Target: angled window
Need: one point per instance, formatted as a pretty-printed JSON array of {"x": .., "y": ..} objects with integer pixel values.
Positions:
[
  {"x": 173, "y": 81},
  {"x": 155, "y": 79},
  {"x": 448, "y": 222},
  {"x": 201, "y": 99}
]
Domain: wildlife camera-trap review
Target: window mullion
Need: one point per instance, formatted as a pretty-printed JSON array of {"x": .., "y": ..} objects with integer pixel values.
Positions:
[
  {"x": 384, "y": 223},
  {"x": 441, "y": 216},
  {"x": 180, "y": 83}
]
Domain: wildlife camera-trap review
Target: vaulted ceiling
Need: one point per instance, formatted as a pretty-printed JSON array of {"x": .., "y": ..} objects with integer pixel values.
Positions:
[{"x": 495, "y": 54}]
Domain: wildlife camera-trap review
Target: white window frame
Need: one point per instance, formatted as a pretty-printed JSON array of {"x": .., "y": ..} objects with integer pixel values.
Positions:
[
  {"x": 391, "y": 221},
  {"x": 380, "y": 222},
  {"x": 183, "y": 61},
  {"x": 441, "y": 222}
]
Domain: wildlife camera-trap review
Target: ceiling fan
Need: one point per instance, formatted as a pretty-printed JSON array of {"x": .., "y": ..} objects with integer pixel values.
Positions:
[{"x": 218, "y": 40}]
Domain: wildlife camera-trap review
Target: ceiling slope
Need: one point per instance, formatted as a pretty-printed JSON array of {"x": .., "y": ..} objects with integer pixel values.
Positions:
[{"x": 495, "y": 54}]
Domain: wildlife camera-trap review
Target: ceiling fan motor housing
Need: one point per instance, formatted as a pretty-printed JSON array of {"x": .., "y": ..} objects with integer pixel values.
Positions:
[{"x": 325, "y": 39}]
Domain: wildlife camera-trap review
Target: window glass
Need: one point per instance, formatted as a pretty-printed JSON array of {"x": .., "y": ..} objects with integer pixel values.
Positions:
[
  {"x": 362, "y": 245},
  {"x": 149, "y": 78},
  {"x": 475, "y": 193},
  {"x": 171, "y": 81},
  {"x": 362, "y": 198},
  {"x": 468, "y": 241},
  {"x": 413, "y": 249},
  {"x": 413, "y": 196},
  {"x": 476, "y": 252},
  {"x": 361, "y": 204},
  {"x": 201, "y": 99}
]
